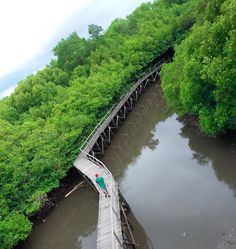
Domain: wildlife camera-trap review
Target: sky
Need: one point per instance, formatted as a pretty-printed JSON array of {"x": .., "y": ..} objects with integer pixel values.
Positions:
[{"x": 31, "y": 28}]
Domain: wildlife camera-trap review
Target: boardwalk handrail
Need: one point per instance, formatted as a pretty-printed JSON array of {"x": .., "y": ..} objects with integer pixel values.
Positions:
[
  {"x": 96, "y": 161},
  {"x": 96, "y": 127},
  {"x": 156, "y": 66},
  {"x": 102, "y": 165}
]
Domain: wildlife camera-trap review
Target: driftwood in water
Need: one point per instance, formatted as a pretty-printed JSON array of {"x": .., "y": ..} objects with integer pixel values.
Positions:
[{"x": 75, "y": 187}]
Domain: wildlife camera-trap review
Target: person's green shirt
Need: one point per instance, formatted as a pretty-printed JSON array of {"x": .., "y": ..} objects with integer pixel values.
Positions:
[{"x": 100, "y": 182}]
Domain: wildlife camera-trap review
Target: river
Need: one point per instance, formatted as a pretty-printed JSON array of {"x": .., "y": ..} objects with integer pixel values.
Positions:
[{"x": 180, "y": 185}]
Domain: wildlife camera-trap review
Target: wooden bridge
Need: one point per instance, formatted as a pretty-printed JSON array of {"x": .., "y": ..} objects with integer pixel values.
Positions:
[{"x": 110, "y": 231}]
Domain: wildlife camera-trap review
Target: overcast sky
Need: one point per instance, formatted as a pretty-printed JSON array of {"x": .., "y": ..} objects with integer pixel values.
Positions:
[{"x": 31, "y": 28}]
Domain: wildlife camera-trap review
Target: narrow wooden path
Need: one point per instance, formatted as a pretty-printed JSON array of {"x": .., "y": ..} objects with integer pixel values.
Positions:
[
  {"x": 109, "y": 217},
  {"x": 109, "y": 234}
]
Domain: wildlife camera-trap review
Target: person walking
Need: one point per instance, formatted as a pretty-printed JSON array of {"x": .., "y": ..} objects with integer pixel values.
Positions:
[{"x": 101, "y": 183}]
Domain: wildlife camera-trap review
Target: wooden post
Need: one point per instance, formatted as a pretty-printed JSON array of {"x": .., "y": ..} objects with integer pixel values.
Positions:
[
  {"x": 105, "y": 135},
  {"x": 102, "y": 144},
  {"x": 136, "y": 95},
  {"x": 124, "y": 202},
  {"x": 109, "y": 133},
  {"x": 132, "y": 242},
  {"x": 117, "y": 121}
]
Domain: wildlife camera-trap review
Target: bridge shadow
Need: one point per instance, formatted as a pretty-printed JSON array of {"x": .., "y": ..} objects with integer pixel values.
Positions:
[
  {"x": 139, "y": 233},
  {"x": 137, "y": 132}
]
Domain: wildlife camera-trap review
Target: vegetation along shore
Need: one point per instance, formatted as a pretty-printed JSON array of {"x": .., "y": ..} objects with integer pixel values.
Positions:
[{"x": 50, "y": 114}]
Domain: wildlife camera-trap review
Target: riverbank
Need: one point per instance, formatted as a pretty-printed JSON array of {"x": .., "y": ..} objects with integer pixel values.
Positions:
[
  {"x": 54, "y": 197},
  {"x": 192, "y": 121},
  {"x": 179, "y": 184}
]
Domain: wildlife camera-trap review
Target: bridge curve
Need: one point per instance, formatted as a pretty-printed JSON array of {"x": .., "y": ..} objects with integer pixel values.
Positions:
[
  {"x": 109, "y": 234},
  {"x": 100, "y": 137}
]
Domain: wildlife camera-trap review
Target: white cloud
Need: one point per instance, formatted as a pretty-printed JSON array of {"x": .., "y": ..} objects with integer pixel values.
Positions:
[
  {"x": 27, "y": 27},
  {"x": 31, "y": 28},
  {"x": 7, "y": 92}
]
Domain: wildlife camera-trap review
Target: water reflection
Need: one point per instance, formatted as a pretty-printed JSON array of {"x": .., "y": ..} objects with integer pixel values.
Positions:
[
  {"x": 137, "y": 132},
  {"x": 220, "y": 152},
  {"x": 71, "y": 225},
  {"x": 135, "y": 135},
  {"x": 157, "y": 161}
]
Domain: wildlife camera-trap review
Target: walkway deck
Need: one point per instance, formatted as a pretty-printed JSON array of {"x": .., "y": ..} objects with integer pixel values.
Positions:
[{"x": 109, "y": 224}]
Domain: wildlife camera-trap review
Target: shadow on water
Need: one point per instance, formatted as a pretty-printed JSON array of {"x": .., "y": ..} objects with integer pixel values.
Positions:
[
  {"x": 220, "y": 152},
  {"x": 72, "y": 224},
  {"x": 141, "y": 238}
]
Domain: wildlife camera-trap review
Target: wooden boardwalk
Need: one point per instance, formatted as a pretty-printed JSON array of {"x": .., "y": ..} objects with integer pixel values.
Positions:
[
  {"x": 109, "y": 234},
  {"x": 109, "y": 216}
]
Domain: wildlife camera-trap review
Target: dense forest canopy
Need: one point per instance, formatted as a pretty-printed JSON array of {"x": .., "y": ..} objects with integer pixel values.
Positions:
[
  {"x": 202, "y": 79},
  {"x": 50, "y": 114}
]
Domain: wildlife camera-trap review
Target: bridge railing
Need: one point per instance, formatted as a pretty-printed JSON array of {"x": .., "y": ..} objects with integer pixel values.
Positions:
[
  {"x": 96, "y": 161},
  {"x": 96, "y": 128}
]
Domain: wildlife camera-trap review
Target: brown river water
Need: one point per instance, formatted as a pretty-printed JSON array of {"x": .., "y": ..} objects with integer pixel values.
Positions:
[{"x": 180, "y": 185}]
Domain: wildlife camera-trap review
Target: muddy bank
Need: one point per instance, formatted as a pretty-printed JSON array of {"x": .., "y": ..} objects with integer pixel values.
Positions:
[
  {"x": 179, "y": 184},
  {"x": 54, "y": 197}
]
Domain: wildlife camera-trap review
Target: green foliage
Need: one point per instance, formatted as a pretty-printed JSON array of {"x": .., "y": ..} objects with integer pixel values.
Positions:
[
  {"x": 201, "y": 80},
  {"x": 94, "y": 31},
  {"x": 13, "y": 228},
  {"x": 8, "y": 112},
  {"x": 71, "y": 52},
  {"x": 51, "y": 113},
  {"x": 33, "y": 92},
  {"x": 169, "y": 2}
]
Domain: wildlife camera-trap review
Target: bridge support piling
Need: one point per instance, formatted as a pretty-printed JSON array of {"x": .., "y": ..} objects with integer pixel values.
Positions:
[
  {"x": 123, "y": 202},
  {"x": 129, "y": 241}
]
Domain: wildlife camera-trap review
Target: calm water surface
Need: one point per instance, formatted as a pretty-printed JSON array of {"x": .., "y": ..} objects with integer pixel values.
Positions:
[{"x": 181, "y": 185}]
